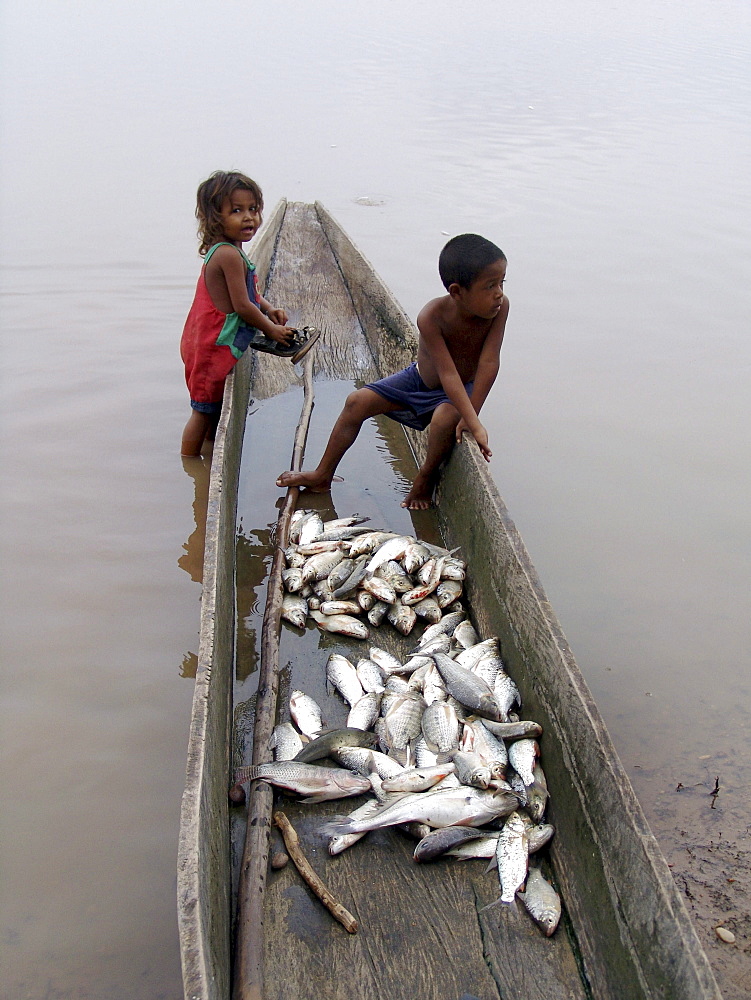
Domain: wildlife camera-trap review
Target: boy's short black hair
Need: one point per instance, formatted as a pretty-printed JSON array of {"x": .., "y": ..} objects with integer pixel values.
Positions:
[
  {"x": 209, "y": 201},
  {"x": 465, "y": 257}
]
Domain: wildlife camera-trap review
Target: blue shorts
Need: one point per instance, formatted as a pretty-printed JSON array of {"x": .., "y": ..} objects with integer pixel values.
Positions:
[
  {"x": 209, "y": 408},
  {"x": 408, "y": 389}
]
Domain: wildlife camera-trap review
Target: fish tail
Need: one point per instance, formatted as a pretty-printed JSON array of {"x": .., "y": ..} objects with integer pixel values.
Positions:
[
  {"x": 337, "y": 827},
  {"x": 243, "y": 774}
]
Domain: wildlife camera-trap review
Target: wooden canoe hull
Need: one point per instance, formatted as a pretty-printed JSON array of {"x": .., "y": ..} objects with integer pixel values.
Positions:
[{"x": 630, "y": 932}]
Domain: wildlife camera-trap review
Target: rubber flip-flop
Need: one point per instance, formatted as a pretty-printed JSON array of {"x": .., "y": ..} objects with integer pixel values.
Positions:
[{"x": 311, "y": 335}]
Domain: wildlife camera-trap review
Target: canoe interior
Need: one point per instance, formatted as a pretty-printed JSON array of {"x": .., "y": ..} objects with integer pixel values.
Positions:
[{"x": 424, "y": 933}]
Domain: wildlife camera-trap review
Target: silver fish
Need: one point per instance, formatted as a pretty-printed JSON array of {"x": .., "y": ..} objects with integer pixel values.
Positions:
[
  {"x": 541, "y": 901},
  {"x": 306, "y": 714},
  {"x": 429, "y": 609},
  {"x": 468, "y": 657},
  {"x": 394, "y": 548},
  {"x": 506, "y": 693},
  {"x": 294, "y": 610},
  {"x": 319, "y": 566},
  {"x": 292, "y": 579},
  {"x": 537, "y": 793},
  {"x": 446, "y": 626},
  {"x": 440, "y": 727},
  {"x": 514, "y": 730},
  {"x": 323, "y": 745},
  {"x": 317, "y": 547},
  {"x": 366, "y": 600},
  {"x": 453, "y": 569},
  {"x": 344, "y": 522},
  {"x": 385, "y": 660},
  {"x": 414, "y": 556},
  {"x": 430, "y": 573},
  {"x": 462, "y": 806},
  {"x": 363, "y": 761},
  {"x": 465, "y": 634},
  {"x": 483, "y": 847},
  {"x": 522, "y": 755},
  {"x": 512, "y": 855},
  {"x": 489, "y": 747},
  {"x": 538, "y": 835},
  {"x": 472, "y": 769},
  {"x": 377, "y": 613},
  {"x": 403, "y": 720},
  {"x": 340, "y": 573},
  {"x": 488, "y": 667},
  {"x": 353, "y": 580},
  {"x": 364, "y": 712},
  {"x": 417, "y": 779},
  {"x": 342, "y": 674},
  {"x": 342, "y": 842},
  {"x": 311, "y": 528},
  {"x": 370, "y": 541},
  {"x": 467, "y": 688},
  {"x": 285, "y": 741},
  {"x": 317, "y": 784},
  {"x": 380, "y": 589},
  {"x": 341, "y": 624},
  {"x": 340, "y": 608},
  {"x": 401, "y": 617},
  {"x": 393, "y": 573},
  {"x": 438, "y": 842},
  {"x": 447, "y": 592},
  {"x": 370, "y": 675},
  {"x": 293, "y": 558}
]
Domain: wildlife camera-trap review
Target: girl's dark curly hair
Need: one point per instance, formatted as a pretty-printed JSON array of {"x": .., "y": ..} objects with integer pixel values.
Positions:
[{"x": 211, "y": 195}]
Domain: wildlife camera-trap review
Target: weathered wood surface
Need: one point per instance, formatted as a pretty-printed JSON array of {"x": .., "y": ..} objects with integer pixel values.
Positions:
[{"x": 625, "y": 931}]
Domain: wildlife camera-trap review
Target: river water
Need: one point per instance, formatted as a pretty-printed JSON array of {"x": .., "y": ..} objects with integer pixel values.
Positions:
[{"x": 606, "y": 149}]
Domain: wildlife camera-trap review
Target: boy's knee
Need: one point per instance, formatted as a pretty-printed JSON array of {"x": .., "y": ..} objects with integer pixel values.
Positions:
[
  {"x": 358, "y": 404},
  {"x": 445, "y": 415}
]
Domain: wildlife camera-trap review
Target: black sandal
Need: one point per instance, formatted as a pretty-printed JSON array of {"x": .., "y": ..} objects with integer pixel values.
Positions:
[
  {"x": 304, "y": 339},
  {"x": 295, "y": 350}
]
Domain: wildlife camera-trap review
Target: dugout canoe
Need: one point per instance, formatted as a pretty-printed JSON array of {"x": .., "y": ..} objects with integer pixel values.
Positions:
[{"x": 625, "y": 934}]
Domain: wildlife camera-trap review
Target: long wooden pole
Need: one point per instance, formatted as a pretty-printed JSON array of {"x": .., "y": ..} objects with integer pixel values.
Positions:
[{"x": 248, "y": 967}]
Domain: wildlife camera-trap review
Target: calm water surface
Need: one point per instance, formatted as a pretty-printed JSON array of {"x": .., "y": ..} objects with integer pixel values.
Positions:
[{"x": 607, "y": 150}]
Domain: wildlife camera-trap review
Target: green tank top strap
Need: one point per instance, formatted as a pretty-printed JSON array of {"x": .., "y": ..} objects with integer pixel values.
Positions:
[{"x": 216, "y": 246}]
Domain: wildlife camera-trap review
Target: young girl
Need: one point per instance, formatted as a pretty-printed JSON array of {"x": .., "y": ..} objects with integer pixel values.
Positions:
[{"x": 228, "y": 313}]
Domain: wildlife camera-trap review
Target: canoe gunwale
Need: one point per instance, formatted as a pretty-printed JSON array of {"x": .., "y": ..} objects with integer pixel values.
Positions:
[{"x": 645, "y": 944}]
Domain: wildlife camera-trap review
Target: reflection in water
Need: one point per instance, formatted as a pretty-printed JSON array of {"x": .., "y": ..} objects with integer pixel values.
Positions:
[
  {"x": 253, "y": 554},
  {"x": 199, "y": 470}
]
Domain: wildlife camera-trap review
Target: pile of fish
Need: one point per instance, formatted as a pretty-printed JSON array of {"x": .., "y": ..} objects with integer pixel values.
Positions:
[
  {"x": 339, "y": 571},
  {"x": 436, "y": 740}
]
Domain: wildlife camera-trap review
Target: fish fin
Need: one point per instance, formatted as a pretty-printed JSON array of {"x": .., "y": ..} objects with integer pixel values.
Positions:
[
  {"x": 336, "y": 827},
  {"x": 496, "y": 902},
  {"x": 243, "y": 774},
  {"x": 493, "y": 863}
]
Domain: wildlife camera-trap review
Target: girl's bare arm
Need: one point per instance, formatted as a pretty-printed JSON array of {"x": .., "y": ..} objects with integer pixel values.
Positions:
[{"x": 233, "y": 271}]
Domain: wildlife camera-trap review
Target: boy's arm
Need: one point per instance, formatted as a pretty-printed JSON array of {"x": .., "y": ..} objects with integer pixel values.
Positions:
[
  {"x": 432, "y": 338},
  {"x": 233, "y": 269},
  {"x": 489, "y": 363},
  {"x": 275, "y": 315}
]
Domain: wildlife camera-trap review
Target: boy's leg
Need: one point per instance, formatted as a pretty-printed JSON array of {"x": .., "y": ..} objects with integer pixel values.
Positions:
[
  {"x": 441, "y": 431},
  {"x": 195, "y": 433},
  {"x": 360, "y": 404}
]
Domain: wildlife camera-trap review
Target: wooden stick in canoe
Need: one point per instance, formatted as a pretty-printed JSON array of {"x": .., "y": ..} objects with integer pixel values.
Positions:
[
  {"x": 292, "y": 843},
  {"x": 248, "y": 969}
]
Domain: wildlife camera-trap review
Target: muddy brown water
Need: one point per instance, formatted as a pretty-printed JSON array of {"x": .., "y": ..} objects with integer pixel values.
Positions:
[{"x": 607, "y": 152}]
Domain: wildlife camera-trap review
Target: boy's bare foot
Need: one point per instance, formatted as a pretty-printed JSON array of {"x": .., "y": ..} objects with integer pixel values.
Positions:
[
  {"x": 308, "y": 480},
  {"x": 416, "y": 500}
]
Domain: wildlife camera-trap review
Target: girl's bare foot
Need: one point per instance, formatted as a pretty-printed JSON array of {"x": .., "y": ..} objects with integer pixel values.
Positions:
[{"x": 308, "y": 480}]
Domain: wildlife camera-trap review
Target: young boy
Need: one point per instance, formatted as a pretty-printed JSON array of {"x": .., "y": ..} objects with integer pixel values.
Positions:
[{"x": 458, "y": 358}]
